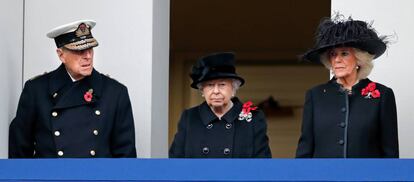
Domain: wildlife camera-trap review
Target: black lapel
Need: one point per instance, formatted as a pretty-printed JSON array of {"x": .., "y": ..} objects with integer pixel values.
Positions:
[
  {"x": 234, "y": 112},
  {"x": 356, "y": 89},
  {"x": 360, "y": 85},
  {"x": 74, "y": 95},
  {"x": 59, "y": 82},
  {"x": 206, "y": 114},
  {"x": 334, "y": 87}
]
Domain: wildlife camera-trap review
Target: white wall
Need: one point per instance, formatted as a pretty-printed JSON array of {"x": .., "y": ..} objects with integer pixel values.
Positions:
[
  {"x": 396, "y": 67},
  {"x": 11, "y": 31},
  {"x": 160, "y": 73},
  {"x": 133, "y": 48}
]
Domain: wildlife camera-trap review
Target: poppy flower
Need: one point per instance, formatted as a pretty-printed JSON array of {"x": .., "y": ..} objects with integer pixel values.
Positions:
[
  {"x": 88, "y": 96},
  {"x": 370, "y": 91},
  {"x": 245, "y": 114}
]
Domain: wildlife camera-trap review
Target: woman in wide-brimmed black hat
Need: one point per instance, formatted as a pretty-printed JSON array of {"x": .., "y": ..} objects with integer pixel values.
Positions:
[
  {"x": 222, "y": 126},
  {"x": 350, "y": 116}
]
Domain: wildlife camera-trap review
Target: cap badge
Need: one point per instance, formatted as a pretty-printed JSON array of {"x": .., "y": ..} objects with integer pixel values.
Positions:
[{"x": 82, "y": 30}]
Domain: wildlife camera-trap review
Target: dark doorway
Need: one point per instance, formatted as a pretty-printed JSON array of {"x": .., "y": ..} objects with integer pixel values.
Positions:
[{"x": 267, "y": 37}]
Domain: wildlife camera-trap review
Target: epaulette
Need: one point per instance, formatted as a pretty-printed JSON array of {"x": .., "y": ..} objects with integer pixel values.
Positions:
[
  {"x": 110, "y": 77},
  {"x": 38, "y": 76}
]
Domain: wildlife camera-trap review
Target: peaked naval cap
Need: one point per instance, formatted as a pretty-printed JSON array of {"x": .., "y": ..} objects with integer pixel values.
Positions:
[{"x": 74, "y": 36}]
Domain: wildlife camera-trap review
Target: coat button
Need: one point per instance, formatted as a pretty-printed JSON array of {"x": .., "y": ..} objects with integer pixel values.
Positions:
[
  {"x": 341, "y": 142},
  {"x": 95, "y": 132},
  {"x": 97, "y": 112},
  {"x": 226, "y": 151},
  {"x": 92, "y": 152},
  {"x": 205, "y": 150},
  {"x": 60, "y": 153},
  {"x": 57, "y": 133},
  {"x": 55, "y": 95},
  {"x": 209, "y": 126},
  {"x": 342, "y": 124},
  {"x": 54, "y": 113},
  {"x": 228, "y": 126},
  {"x": 343, "y": 109}
]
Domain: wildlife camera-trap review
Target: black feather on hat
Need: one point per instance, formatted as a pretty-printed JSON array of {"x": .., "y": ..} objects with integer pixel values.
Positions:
[
  {"x": 340, "y": 32},
  {"x": 214, "y": 66}
]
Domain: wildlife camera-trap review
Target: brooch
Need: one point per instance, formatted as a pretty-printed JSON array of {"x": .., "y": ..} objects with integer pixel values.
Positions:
[
  {"x": 370, "y": 91},
  {"x": 245, "y": 114}
]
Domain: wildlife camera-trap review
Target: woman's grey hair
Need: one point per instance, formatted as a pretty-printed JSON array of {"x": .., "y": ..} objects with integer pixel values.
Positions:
[
  {"x": 234, "y": 82},
  {"x": 364, "y": 62}
]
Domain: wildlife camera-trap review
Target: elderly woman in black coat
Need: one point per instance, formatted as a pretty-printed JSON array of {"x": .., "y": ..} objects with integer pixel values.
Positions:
[
  {"x": 222, "y": 126},
  {"x": 350, "y": 116}
]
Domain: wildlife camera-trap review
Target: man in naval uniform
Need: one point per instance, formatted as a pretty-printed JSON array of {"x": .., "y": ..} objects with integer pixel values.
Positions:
[{"x": 73, "y": 111}]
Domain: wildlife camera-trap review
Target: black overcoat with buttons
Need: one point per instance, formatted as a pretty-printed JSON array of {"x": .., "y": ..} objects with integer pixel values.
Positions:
[
  {"x": 338, "y": 124},
  {"x": 201, "y": 134},
  {"x": 55, "y": 120}
]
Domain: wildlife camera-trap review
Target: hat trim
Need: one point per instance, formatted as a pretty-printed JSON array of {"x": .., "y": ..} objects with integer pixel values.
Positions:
[
  {"x": 63, "y": 29},
  {"x": 82, "y": 44},
  {"x": 194, "y": 84},
  {"x": 313, "y": 55},
  {"x": 340, "y": 31}
]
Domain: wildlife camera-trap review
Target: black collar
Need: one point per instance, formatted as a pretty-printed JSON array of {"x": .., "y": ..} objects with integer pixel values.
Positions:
[
  {"x": 58, "y": 80},
  {"x": 355, "y": 89},
  {"x": 66, "y": 93},
  {"x": 208, "y": 116}
]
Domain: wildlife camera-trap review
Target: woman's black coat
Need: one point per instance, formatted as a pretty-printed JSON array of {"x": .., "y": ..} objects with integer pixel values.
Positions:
[
  {"x": 202, "y": 135},
  {"x": 341, "y": 125}
]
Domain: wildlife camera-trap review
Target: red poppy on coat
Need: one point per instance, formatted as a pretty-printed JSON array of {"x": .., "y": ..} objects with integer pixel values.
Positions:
[
  {"x": 370, "y": 91},
  {"x": 247, "y": 108},
  {"x": 371, "y": 86},
  {"x": 375, "y": 94},
  {"x": 88, "y": 96},
  {"x": 364, "y": 91}
]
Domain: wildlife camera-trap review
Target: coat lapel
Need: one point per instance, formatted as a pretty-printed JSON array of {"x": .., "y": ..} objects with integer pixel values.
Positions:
[
  {"x": 71, "y": 94},
  {"x": 234, "y": 112},
  {"x": 207, "y": 115},
  {"x": 356, "y": 89},
  {"x": 59, "y": 82}
]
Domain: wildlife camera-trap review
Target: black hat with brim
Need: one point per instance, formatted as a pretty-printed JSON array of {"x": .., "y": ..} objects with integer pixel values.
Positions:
[
  {"x": 214, "y": 66},
  {"x": 348, "y": 33}
]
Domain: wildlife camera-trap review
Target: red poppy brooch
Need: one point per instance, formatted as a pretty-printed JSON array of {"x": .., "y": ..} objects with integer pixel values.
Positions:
[
  {"x": 88, "y": 95},
  {"x": 371, "y": 91},
  {"x": 246, "y": 113}
]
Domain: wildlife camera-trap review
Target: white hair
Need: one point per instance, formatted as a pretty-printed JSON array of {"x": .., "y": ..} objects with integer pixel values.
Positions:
[
  {"x": 234, "y": 82},
  {"x": 364, "y": 62}
]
